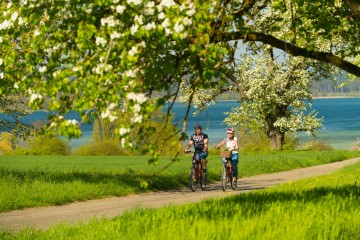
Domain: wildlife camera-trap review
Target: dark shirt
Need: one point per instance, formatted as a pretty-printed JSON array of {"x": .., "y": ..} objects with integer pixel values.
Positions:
[{"x": 199, "y": 141}]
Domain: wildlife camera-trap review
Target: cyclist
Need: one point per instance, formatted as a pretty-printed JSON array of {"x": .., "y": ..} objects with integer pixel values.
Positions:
[
  {"x": 231, "y": 143},
  {"x": 200, "y": 141}
]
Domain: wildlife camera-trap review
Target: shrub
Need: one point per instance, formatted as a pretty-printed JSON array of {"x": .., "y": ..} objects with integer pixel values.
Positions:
[
  {"x": 316, "y": 145},
  {"x": 356, "y": 146},
  {"x": 47, "y": 144},
  {"x": 103, "y": 148}
]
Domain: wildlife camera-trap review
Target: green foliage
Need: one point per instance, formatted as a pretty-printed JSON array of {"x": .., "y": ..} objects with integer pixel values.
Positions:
[
  {"x": 47, "y": 144},
  {"x": 102, "y": 148}
]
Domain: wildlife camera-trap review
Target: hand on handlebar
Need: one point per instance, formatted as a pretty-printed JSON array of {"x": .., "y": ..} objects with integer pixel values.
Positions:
[{"x": 187, "y": 150}]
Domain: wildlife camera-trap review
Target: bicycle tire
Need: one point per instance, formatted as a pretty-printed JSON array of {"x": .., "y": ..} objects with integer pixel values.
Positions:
[
  {"x": 224, "y": 177},
  {"x": 193, "y": 181},
  {"x": 203, "y": 181},
  {"x": 234, "y": 183}
]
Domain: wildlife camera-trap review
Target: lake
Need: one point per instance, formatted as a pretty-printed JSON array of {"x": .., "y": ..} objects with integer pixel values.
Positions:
[{"x": 341, "y": 121}]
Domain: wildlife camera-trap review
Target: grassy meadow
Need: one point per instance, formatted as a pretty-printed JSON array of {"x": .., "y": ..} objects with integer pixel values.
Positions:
[
  {"x": 325, "y": 207},
  {"x": 33, "y": 181}
]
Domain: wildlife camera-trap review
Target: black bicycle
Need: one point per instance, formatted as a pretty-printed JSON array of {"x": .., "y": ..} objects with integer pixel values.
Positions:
[
  {"x": 227, "y": 171},
  {"x": 197, "y": 175}
]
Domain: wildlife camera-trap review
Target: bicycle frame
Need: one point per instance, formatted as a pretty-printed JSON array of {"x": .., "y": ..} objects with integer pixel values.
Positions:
[
  {"x": 227, "y": 176},
  {"x": 197, "y": 175}
]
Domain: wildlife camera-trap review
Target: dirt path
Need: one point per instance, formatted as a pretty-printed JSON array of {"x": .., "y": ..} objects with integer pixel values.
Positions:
[{"x": 42, "y": 218}]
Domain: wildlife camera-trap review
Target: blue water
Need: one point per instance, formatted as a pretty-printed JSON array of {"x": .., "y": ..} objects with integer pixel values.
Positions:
[{"x": 341, "y": 121}]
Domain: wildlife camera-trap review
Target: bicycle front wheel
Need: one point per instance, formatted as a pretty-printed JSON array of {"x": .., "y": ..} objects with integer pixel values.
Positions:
[{"x": 224, "y": 177}]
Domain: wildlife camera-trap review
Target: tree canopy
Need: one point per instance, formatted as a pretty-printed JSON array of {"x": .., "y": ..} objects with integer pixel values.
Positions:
[{"x": 96, "y": 56}]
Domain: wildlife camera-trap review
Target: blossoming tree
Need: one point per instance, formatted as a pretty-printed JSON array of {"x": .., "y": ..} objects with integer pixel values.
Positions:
[{"x": 98, "y": 56}]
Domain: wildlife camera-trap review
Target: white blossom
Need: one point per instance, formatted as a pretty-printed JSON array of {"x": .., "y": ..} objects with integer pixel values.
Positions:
[
  {"x": 166, "y": 23},
  {"x": 150, "y": 26},
  {"x": 1, "y": 61},
  {"x": 37, "y": 32},
  {"x": 138, "y": 19},
  {"x": 71, "y": 122},
  {"x": 100, "y": 41},
  {"x": 115, "y": 35},
  {"x": 134, "y": 29},
  {"x": 137, "y": 118},
  {"x": 16, "y": 85},
  {"x": 167, "y": 3},
  {"x": 161, "y": 15},
  {"x": 1, "y": 39},
  {"x": 14, "y": 16},
  {"x": 2, "y": 75},
  {"x": 5, "y": 25},
  {"x": 178, "y": 27},
  {"x": 123, "y": 131},
  {"x": 42, "y": 69},
  {"x": 133, "y": 51},
  {"x": 120, "y": 9},
  {"x": 34, "y": 96}
]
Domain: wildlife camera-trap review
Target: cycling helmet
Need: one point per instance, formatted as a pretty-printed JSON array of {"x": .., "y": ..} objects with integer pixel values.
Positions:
[
  {"x": 197, "y": 125},
  {"x": 230, "y": 130}
]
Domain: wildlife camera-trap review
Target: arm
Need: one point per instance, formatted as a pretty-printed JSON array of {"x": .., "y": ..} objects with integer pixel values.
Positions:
[
  {"x": 206, "y": 141},
  {"x": 190, "y": 143},
  {"x": 220, "y": 144}
]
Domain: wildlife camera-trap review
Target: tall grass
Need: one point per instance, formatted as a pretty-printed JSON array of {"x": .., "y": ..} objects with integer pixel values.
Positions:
[
  {"x": 325, "y": 207},
  {"x": 32, "y": 181}
]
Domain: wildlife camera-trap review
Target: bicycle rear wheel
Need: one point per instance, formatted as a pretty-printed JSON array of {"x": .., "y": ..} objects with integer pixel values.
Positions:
[
  {"x": 224, "y": 177},
  {"x": 193, "y": 181},
  {"x": 203, "y": 181}
]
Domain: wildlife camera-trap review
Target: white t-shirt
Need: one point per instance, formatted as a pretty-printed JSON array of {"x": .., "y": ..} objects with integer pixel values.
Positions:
[{"x": 231, "y": 144}]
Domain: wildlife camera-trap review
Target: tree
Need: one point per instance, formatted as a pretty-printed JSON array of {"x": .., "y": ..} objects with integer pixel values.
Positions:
[
  {"x": 275, "y": 97},
  {"x": 99, "y": 56}
]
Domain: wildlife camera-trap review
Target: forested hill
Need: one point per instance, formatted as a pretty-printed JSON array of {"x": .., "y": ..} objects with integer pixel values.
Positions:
[{"x": 322, "y": 88}]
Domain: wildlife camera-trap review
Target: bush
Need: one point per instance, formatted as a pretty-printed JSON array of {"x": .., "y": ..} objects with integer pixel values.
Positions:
[
  {"x": 316, "y": 145},
  {"x": 48, "y": 144},
  {"x": 356, "y": 146},
  {"x": 103, "y": 148}
]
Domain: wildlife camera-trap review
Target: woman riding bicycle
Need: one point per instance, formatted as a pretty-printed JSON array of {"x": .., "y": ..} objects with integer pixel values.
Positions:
[
  {"x": 200, "y": 141},
  {"x": 231, "y": 143}
]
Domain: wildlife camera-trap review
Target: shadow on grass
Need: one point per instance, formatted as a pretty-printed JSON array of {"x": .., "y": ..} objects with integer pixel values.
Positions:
[
  {"x": 128, "y": 179},
  {"x": 260, "y": 201}
]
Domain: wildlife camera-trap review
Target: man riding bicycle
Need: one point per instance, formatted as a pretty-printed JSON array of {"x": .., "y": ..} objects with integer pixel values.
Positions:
[{"x": 200, "y": 141}]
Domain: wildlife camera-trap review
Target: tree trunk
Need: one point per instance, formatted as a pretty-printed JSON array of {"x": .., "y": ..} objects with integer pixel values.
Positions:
[{"x": 276, "y": 139}]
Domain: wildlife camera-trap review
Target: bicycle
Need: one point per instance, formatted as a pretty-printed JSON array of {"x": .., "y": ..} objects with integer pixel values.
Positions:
[
  {"x": 197, "y": 175},
  {"x": 227, "y": 174}
]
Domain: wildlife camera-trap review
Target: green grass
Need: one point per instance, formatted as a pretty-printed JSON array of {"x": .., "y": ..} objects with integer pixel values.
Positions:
[
  {"x": 33, "y": 181},
  {"x": 325, "y": 207}
]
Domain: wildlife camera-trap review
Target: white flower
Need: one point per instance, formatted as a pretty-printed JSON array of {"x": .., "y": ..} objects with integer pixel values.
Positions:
[
  {"x": 123, "y": 140},
  {"x": 1, "y": 39},
  {"x": 5, "y": 25},
  {"x": 133, "y": 51},
  {"x": 114, "y": 35},
  {"x": 150, "y": 26},
  {"x": 120, "y": 9},
  {"x": 191, "y": 12},
  {"x": 16, "y": 85},
  {"x": 1, "y": 61},
  {"x": 42, "y": 69},
  {"x": 35, "y": 96},
  {"x": 134, "y": 29},
  {"x": 178, "y": 27},
  {"x": 138, "y": 19},
  {"x": 14, "y": 16},
  {"x": 37, "y": 32},
  {"x": 21, "y": 21},
  {"x": 2, "y": 75},
  {"x": 137, "y": 118},
  {"x": 137, "y": 108},
  {"x": 167, "y": 3},
  {"x": 166, "y": 23},
  {"x": 161, "y": 15},
  {"x": 142, "y": 44},
  {"x": 187, "y": 21},
  {"x": 71, "y": 122},
  {"x": 123, "y": 131},
  {"x": 100, "y": 41}
]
